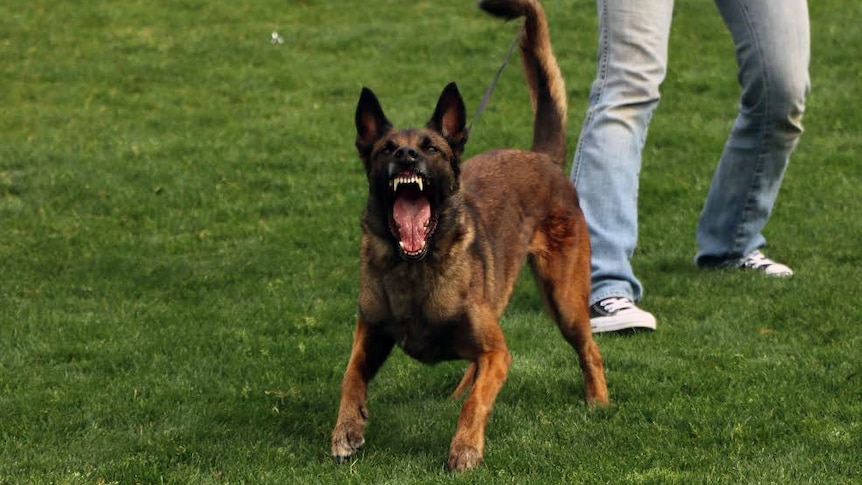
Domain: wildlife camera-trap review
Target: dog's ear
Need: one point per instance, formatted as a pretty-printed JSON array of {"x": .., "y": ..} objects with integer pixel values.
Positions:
[
  {"x": 371, "y": 123},
  {"x": 450, "y": 118}
]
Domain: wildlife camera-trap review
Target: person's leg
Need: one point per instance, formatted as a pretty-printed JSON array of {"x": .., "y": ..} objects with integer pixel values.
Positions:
[
  {"x": 772, "y": 51},
  {"x": 632, "y": 60}
]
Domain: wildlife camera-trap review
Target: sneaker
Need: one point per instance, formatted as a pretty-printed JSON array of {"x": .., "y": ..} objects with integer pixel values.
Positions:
[
  {"x": 759, "y": 262},
  {"x": 614, "y": 314}
]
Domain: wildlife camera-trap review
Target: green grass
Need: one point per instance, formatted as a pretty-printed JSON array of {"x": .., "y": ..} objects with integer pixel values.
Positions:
[{"x": 179, "y": 203}]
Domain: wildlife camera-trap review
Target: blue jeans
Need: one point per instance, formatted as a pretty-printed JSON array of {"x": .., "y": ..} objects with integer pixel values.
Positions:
[{"x": 772, "y": 51}]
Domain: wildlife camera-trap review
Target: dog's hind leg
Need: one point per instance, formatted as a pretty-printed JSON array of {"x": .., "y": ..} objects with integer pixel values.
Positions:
[
  {"x": 370, "y": 350},
  {"x": 466, "y": 381},
  {"x": 560, "y": 260}
]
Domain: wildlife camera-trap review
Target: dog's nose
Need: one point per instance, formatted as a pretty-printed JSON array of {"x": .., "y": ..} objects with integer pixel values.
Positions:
[{"x": 406, "y": 154}]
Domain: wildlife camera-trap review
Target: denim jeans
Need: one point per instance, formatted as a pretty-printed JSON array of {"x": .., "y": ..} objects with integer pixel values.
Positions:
[{"x": 771, "y": 40}]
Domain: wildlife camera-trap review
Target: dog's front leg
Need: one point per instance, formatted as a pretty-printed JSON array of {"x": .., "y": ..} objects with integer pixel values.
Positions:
[
  {"x": 370, "y": 350},
  {"x": 491, "y": 370}
]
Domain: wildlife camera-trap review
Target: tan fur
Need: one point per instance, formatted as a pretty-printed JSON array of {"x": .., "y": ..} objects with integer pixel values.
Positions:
[{"x": 441, "y": 296}]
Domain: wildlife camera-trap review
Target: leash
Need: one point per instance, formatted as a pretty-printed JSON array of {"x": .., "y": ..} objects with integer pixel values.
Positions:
[{"x": 487, "y": 96}]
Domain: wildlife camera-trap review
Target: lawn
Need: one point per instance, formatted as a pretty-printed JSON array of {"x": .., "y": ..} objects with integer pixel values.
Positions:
[{"x": 179, "y": 205}]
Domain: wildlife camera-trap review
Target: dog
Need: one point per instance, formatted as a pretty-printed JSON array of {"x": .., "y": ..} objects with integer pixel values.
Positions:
[{"x": 443, "y": 243}]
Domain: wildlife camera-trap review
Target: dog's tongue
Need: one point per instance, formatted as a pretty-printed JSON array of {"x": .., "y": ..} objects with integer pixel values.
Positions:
[{"x": 411, "y": 212}]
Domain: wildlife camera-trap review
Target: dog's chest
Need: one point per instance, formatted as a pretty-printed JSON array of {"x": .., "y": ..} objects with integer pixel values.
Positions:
[
  {"x": 425, "y": 317},
  {"x": 425, "y": 342},
  {"x": 431, "y": 300}
]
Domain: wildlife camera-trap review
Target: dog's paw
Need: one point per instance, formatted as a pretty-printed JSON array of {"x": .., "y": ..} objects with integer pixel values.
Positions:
[
  {"x": 346, "y": 441},
  {"x": 463, "y": 458}
]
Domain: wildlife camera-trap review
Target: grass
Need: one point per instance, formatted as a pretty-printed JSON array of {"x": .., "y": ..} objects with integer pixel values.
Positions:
[{"x": 179, "y": 203}]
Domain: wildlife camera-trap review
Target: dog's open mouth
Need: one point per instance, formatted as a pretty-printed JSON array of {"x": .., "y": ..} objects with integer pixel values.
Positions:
[{"x": 413, "y": 218}]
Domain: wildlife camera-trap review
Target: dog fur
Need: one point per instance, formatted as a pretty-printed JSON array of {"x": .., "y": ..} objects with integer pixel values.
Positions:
[{"x": 443, "y": 244}]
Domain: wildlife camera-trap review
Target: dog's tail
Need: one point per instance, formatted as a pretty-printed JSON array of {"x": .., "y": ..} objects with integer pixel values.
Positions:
[{"x": 547, "y": 88}]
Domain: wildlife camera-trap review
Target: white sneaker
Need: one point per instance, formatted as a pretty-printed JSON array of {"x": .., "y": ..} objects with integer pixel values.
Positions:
[
  {"x": 759, "y": 262},
  {"x": 614, "y": 314}
]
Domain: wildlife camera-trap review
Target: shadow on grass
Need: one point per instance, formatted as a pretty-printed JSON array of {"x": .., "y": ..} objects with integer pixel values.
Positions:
[{"x": 411, "y": 417}]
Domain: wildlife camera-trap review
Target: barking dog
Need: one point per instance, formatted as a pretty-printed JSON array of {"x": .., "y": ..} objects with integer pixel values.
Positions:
[{"x": 443, "y": 243}]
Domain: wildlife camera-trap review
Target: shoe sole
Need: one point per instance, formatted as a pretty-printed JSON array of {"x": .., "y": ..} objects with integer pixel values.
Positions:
[{"x": 640, "y": 324}]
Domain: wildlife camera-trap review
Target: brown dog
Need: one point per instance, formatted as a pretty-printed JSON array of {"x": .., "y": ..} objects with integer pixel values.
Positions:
[{"x": 441, "y": 250}]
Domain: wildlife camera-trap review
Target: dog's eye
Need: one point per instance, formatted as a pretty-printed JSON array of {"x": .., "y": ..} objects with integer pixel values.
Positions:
[
  {"x": 388, "y": 148},
  {"x": 429, "y": 147}
]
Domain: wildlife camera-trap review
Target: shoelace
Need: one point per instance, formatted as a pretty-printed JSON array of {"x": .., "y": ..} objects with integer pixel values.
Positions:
[
  {"x": 757, "y": 260},
  {"x": 613, "y": 305}
]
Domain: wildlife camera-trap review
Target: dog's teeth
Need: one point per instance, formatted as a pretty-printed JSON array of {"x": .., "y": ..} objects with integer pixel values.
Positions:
[{"x": 407, "y": 179}]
